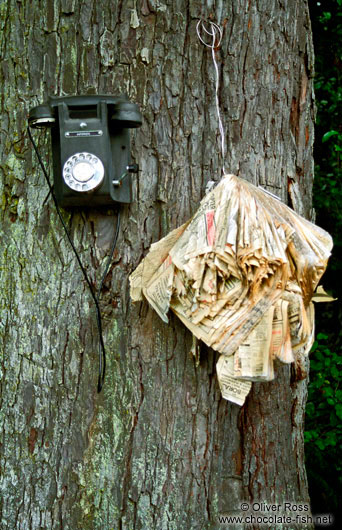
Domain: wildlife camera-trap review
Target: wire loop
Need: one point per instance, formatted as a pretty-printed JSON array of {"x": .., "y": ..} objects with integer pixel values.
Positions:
[{"x": 216, "y": 33}]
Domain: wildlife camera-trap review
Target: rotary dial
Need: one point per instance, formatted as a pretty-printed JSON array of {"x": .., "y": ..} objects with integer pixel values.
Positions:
[{"x": 83, "y": 172}]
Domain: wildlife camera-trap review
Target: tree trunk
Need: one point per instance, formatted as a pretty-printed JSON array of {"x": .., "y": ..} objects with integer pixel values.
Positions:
[{"x": 158, "y": 448}]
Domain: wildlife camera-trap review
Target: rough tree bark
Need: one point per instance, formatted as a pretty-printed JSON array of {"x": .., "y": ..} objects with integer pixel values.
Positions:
[{"x": 158, "y": 448}]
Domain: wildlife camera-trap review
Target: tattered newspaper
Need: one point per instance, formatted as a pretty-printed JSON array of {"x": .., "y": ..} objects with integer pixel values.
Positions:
[{"x": 240, "y": 275}]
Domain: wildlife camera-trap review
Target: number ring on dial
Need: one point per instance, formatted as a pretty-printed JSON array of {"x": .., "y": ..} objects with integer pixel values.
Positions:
[{"x": 83, "y": 172}]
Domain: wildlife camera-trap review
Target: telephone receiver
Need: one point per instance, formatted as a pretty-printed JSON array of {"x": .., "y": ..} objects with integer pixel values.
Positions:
[{"x": 90, "y": 147}]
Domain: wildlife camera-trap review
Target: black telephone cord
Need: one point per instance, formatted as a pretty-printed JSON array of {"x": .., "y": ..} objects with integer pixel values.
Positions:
[{"x": 96, "y": 297}]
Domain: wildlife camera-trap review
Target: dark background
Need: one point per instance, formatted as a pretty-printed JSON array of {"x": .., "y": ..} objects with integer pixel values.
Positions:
[{"x": 324, "y": 407}]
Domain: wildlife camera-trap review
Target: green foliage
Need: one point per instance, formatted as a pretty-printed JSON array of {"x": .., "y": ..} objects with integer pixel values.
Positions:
[
  {"x": 323, "y": 435},
  {"x": 323, "y": 432},
  {"x": 328, "y": 135},
  {"x": 327, "y": 30},
  {"x": 324, "y": 408}
]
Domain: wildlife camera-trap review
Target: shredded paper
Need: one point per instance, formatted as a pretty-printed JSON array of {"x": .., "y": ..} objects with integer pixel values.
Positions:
[{"x": 240, "y": 275}]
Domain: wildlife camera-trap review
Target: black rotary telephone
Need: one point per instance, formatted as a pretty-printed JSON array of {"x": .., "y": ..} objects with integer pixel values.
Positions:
[{"x": 90, "y": 146}]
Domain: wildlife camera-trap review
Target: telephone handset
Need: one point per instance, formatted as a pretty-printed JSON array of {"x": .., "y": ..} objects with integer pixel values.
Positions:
[{"x": 90, "y": 146}]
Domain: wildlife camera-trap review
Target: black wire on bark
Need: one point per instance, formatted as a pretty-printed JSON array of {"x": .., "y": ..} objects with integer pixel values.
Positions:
[{"x": 96, "y": 297}]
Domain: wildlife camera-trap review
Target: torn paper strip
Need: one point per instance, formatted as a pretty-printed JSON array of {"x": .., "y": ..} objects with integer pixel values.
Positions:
[
  {"x": 231, "y": 388},
  {"x": 253, "y": 359}
]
